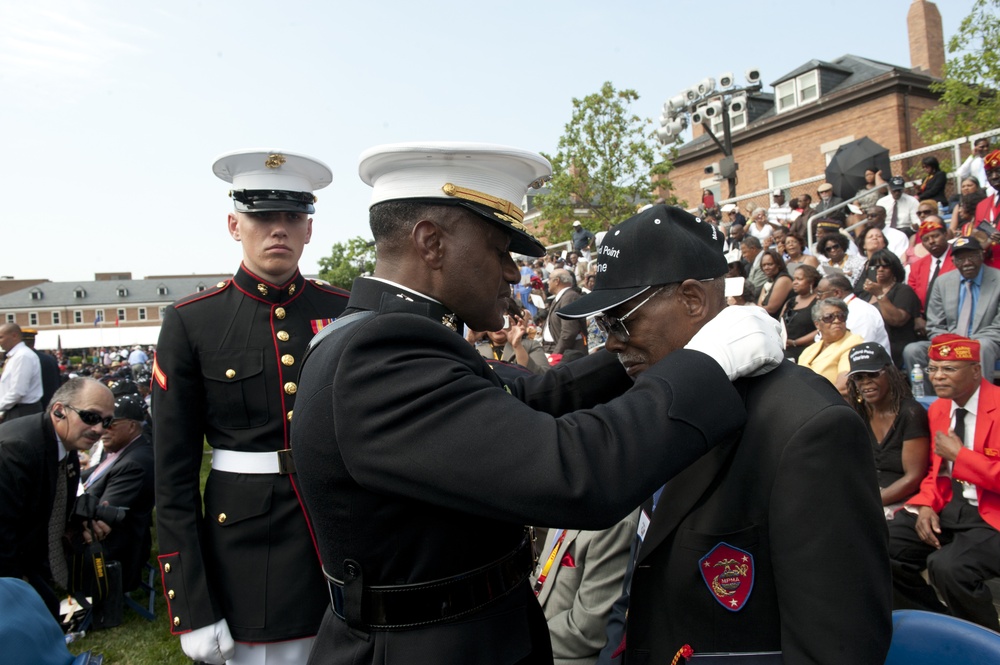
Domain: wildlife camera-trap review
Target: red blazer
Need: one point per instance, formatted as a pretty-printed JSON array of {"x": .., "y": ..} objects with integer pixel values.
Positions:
[
  {"x": 920, "y": 272},
  {"x": 986, "y": 211},
  {"x": 980, "y": 465}
]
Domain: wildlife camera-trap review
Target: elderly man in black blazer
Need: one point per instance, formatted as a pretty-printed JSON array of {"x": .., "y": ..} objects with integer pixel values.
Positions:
[
  {"x": 39, "y": 475},
  {"x": 774, "y": 542},
  {"x": 124, "y": 479}
]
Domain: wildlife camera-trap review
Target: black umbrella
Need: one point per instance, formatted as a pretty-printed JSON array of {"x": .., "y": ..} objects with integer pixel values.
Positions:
[{"x": 846, "y": 171}]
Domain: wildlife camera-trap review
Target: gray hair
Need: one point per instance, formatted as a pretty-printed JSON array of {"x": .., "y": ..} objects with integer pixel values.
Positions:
[
  {"x": 71, "y": 390},
  {"x": 756, "y": 210},
  {"x": 817, "y": 308}
]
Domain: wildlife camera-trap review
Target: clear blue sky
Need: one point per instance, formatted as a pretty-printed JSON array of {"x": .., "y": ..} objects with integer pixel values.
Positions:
[{"x": 113, "y": 112}]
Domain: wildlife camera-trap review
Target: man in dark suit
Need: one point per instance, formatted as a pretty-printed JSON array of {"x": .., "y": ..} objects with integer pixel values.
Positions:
[
  {"x": 952, "y": 526},
  {"x": 734, "y": 557},
  {"x": 51, "y": 376},
  {"x": 561, "y": 335},
  {"x": 39, "y": 475},
  {"x": 965, "y": 302},
  {"x": 417, "y": 491},
  {"x": 826, "y": 201},
  {"x": 124, "y": 479},
  {"x": 241, "y": 578}
]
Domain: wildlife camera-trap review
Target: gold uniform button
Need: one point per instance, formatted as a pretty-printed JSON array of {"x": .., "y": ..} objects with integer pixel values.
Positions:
[
  {"x": 279, "y": 312},
  {"x": 230, "y": 373},
  {"x": 290, "y": 388},
  {"x": 177, "y": 621},
  {"x": 287, "y": 360},
  {"x": 282, "y": 335},
  {"x": 289, "y": 416},
  {"x": 220, "y": 285},
  {"x": 170, "y": 594},
  {"x": 166, "y": 567},
  {"x": 222, "y": 518}
]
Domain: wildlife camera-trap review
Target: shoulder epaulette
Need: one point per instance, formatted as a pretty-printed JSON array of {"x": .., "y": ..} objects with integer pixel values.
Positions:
[
  {"x": 201, "y": 295},
  {"x": 328, "y": 288}
]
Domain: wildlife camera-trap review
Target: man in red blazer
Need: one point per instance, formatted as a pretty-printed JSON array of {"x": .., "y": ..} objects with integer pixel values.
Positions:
[
  {"x": 989, "y": 208},
  {"x": 955, "y": 533},
  {"x": 933, "y": 234}
]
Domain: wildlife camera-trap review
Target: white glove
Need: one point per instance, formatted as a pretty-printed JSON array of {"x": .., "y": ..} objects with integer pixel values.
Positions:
[
  {"x": 744, "y": 340},
  {"x": 210, "y": 644}
]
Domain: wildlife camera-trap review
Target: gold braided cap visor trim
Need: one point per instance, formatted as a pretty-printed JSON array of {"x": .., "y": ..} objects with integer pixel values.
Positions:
[{"x": 482, "y": 198}]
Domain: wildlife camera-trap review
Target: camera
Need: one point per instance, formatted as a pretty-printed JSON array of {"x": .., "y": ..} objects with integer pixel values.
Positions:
[{"x": 88, "y": 507}]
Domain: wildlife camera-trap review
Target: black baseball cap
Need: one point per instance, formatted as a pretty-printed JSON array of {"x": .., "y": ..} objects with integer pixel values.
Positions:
[
  {"x": 660, "y": 245},
  {"x": 130, "y": 406},
  {"x": 868, "y": 357},
  {"x": 896, "y": 183},
  {"x": 966, "y": 243}
]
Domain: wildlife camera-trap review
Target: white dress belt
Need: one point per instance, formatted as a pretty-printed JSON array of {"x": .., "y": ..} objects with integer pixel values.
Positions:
[{"x": 234, "y": 461}]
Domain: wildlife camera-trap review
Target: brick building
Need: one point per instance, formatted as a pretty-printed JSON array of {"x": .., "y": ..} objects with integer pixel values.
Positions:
[{"x": 817, "y": 107}]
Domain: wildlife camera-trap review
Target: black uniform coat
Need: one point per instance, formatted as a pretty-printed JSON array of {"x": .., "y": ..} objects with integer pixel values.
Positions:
[
  {"x": 798, "y": 493},
  {"x": 415, "y": 462},
  {"x": 128, "y": 483},
  {"x": 29, "y": 466},
  {"x": 226, "y": 367}
]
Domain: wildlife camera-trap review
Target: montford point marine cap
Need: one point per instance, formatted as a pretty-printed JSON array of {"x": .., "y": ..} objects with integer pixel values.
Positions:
[
  {"x": 930, "y": 225},
  {"x": 490, "y": 180},
  {"x": 660, "y": 245},
  {"x": 868, "y": 357},
  {"x": 966, "y": 243},
  {"x": 896, "y": 183},
  {"x": 992, "y": 161},
  {"x": 130, "y": 406},
  {"x": 953, "y": 347},
  {"x": 272, "y": 180}
]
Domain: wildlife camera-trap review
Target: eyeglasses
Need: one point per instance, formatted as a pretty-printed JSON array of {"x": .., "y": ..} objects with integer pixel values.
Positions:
[
  {"x": 827, "y": 249},
  {"x": 92, "y": 418},
  {"x": 613, "y": 325},
  {"x": 878, "y": 265},
  {"x": 944, "y": 369},
  {"x": 836, "y": 316},
  {"x": 866, "y": 376}
]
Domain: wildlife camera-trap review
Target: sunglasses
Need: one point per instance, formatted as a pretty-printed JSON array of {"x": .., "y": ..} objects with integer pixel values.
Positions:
[
  {"x": 614, "y": 325},
  {"x": 924, "y": 213},
  {"x": 864, "y": 376},
  {"x": 92, "y": 418},
  {"x": 837, "y": 316}
]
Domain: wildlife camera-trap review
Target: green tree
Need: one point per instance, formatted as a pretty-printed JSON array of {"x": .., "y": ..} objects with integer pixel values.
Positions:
[
  {"x": 347, "y": 261},
  {"x": 605, "y": 166},
  {"x": 969, "y": 100}
]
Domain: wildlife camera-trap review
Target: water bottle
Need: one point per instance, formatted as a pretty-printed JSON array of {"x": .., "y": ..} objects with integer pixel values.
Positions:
[{"x": 917, "y": 380}]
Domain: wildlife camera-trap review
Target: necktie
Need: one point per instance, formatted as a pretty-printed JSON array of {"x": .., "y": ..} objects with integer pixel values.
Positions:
[
  {"x": 895, "y": 214},
  {"x": 934, "y": 275},
  {"x": 957, "y": 488},
  {"x": 965, "y": 314},
  {"x": 57, "y": 527}
]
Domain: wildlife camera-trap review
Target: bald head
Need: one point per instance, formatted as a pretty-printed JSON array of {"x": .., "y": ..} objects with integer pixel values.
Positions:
[{"x": 10, "y": 336}]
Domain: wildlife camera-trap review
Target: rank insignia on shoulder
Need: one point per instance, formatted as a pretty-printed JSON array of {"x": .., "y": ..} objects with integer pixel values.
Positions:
[
  {"x": 728, "y": 573},
  {"x": 159, "y": 376},
  {"x": 319, "y": 324}
]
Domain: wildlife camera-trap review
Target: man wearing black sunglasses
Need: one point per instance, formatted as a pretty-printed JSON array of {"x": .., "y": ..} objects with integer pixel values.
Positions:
[
  {"x": 39, "y": 476},
  {"x": 738, "y": 529}
]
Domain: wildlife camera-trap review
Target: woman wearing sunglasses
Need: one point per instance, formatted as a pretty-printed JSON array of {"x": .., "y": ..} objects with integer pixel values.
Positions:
[
  {"x": 828, "y": 356},
  {"x": 834, "y": 248},
  {"x": 895, "y": 300},
  {"x": 897, "y": 423}
]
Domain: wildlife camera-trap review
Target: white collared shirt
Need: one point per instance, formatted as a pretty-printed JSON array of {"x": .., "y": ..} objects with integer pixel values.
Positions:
[
  {"x": 969, "y": 441},
  {"x": 21, "y": 381}
]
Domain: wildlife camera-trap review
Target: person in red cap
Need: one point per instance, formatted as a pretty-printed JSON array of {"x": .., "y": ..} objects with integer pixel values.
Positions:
[
  {"x": 952, "y": 526},
  {"x": 989, "y": 208},
  {"x": 933, "y": 235}
]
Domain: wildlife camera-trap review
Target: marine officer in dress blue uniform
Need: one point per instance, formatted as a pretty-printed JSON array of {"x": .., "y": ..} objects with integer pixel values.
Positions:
[{"x": 242, "y": 579}]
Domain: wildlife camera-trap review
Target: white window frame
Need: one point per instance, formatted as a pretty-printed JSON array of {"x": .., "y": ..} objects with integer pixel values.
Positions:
[
  {"x": 779, "y": 176},
  {"x": 100, "y": 313},
  {"x": 142, "y": 313},
  {"x": 11, "y": 318},
  {"x": 56, "y": 318},
  {"x": 795, "y": 91},
  {"x": 161, "y": 310},
  {"x": 78, "y": 316},
  {"x": 121, "y": 314},
  {"x": 32, "y": 319}
]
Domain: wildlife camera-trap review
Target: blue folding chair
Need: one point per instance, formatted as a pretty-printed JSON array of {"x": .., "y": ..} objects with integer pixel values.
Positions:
[{"x": 926, "y": 638}]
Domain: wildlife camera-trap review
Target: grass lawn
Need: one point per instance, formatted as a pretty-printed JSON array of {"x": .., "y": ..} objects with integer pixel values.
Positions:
[{"x": 137, "y": 641}]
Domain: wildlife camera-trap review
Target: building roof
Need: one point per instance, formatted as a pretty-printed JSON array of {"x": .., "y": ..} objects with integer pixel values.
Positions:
[{"x": 96, "y": 293}]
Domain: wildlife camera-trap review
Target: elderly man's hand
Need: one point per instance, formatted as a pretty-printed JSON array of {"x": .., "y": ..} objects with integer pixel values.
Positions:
[
  {"x": 96, "y": 530},
  {"x": 928, "y": 526},
  {"x": 947, "y": 445},
  {"x": 745, "y": 341}
]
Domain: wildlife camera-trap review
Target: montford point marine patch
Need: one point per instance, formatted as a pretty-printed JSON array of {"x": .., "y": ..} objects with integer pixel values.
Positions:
[{"x": 728, "y": 573}]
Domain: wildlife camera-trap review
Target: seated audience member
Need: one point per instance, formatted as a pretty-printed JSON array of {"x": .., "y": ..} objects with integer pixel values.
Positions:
[
  {"x": 989, "y": 208},
  {"x": 753, "y": 252},
  {"x": 955, "y": 531},
  {"x": 925, "y": 210},
  {"x": 795, "y": 253},
  {"x": 775, "y": 291},
  {"x": 578, "y": 579},
  {"x": 870, "y": 240},
  {"x": 833, "y": 247},
  {"x": 512, "y": 343},
  {"x": 863, "y": 319},
  {"x": 895, "y": 301},
  {"x": 897, "y": 423},
  {"x": 871, "y": 192},
  {"x": 826, "y": 201},
  {"x": 963, "y": 302},
  {"x": 828, "y": 357},
  {"x": 760, "y": 228},
  {"x": 924, "y": 272},
  {"x": 963, "y": 215},
  {"x": 934, "y": 183},
  {"x": 797, "y": 311},
  {"x": 124, "y": 479}
]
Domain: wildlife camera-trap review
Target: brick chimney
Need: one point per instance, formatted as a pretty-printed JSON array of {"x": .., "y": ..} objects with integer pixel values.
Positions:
[{"x": 923, "y": 22}]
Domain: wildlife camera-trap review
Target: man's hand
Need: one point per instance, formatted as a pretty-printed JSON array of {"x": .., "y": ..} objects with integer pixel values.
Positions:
[
  {"x": 947, "y": 445},
  {"x": 745, "y": 341},
  {"x": 516, "y": 332},
  {"x": 98, "y": 530},
  {"x": 209, "y": 644},
  {"x": 928, "y": 526}
]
